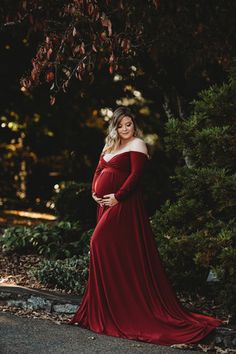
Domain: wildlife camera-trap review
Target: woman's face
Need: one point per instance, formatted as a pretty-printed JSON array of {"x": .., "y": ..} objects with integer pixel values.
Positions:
[{"x": 125, "y": 128}]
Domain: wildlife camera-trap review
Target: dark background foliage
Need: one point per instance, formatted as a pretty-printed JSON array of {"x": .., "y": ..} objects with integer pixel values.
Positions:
[{"x": 65, "y": 65}]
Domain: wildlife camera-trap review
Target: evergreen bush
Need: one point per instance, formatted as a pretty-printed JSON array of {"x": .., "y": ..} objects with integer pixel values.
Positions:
[{"x": 196, "y": 231}]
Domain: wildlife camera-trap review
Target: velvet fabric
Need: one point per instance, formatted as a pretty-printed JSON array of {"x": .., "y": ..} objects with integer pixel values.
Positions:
[{"x": 128, "y": 294}]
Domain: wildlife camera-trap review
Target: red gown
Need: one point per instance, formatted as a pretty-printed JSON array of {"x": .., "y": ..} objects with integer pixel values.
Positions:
[{"x": 128, "y": 294}]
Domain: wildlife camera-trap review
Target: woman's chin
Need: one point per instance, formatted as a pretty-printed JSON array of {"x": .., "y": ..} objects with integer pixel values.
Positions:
[{"x": 126, "y": 137}]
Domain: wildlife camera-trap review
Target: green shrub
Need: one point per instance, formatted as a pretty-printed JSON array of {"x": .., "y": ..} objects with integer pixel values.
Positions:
[
  {"x": 84, "y": 242},
  {"x": 69, "y": 274},
  {"x": 191, "y": 248},
  {"x": 16, "y": 239},
  {"x": 196, "y": 231},
  {"x": 74, "y": 203},
  {"x": 57, "y": 240}
]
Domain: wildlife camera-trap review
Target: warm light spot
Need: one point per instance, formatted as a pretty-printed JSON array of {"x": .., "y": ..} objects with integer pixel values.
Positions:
[
  {"x": 30, "y": 214},
  {"x": 117, "y": 78},
  {"x": 107, "y": 113},
  {"x": 151, "y": 139},
  {"x": 50, "y": 133},
  {"x": 50, "y": 205},
  {"x": 3, "y": 125},
  {"x": 36, "y": 117},
  {"x": 2, "y": 200},
  {"x": 23, "y": 89},
  {"x": 14, "y": 114},
  {"x": 145, "y": 111},
  {"x": 54, "y": 174},
  {"x": 137, "y": 94},
  {"x": 128, "y": 88},
  {"x": 126, "y": 101}
]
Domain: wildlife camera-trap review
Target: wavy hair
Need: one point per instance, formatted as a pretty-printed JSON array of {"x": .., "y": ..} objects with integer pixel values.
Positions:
[{"x": 112, "y": 140}]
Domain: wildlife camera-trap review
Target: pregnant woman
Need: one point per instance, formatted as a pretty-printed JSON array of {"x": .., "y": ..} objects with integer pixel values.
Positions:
[{"x": 128, "y": 294}]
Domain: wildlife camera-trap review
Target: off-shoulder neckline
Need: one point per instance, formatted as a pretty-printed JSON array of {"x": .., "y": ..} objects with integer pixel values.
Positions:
[{"x": 124, "y": 152}]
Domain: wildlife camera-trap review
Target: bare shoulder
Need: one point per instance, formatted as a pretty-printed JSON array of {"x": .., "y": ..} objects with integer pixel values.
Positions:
[{"x": 138, "y": 145}]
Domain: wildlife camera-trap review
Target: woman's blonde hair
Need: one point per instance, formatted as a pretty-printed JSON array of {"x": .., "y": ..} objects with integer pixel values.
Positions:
[{"x": 112, "y": 140}]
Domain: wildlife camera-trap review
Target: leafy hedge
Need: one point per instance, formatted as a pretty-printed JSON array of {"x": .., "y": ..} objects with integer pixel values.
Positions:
[
  {"x": 57, "y": 240},
  {"x": 70, "y": 274}
]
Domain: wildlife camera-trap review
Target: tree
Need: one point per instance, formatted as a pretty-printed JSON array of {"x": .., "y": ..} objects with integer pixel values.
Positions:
[
  {"x": 196, "y": 232},
  {"x": 176, "y": 46}
]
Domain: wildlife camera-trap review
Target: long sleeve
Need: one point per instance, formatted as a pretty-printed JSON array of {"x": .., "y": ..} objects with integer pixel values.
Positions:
[
  {"x": 97, "y": 172},
  {"x": 138, "y": 162}
]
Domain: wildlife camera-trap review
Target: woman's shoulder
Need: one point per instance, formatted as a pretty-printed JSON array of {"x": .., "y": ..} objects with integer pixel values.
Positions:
[{"x": 139, "y": 145}]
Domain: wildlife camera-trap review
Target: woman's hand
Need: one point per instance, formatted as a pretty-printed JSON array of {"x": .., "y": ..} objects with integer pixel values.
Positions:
[
  {"x": 97, "y": 200},
  {"x": 109, "y": 200}
]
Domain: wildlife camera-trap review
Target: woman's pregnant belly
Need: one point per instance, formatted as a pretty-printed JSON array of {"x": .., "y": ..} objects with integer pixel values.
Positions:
[{"x": 108, "y": 182}]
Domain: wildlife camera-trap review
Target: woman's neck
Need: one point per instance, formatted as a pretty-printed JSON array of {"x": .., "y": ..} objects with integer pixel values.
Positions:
[{"x": 124, "y": 143}]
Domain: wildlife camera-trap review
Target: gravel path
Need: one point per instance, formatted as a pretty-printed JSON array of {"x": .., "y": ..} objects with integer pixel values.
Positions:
[{"x": 19, "y": 335}]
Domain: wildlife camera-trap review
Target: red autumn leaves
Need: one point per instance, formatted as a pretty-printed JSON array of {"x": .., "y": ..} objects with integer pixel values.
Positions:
[
  {"x": 84, "y": 36},
  {"x": 49, "y": 76}
]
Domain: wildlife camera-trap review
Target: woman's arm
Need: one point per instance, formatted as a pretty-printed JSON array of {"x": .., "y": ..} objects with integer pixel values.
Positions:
[
  {"x": 138, "y": 160},
  {"x": 97, "y": 172}
]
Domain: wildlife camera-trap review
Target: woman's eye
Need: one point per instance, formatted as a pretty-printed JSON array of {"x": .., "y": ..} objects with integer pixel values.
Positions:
[{"x": 127, "y": 125}]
